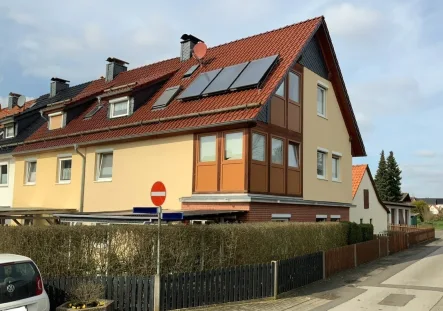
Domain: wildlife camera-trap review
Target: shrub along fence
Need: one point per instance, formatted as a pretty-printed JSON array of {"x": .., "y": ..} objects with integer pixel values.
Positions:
[
  {"x": 131, "y": 250},
  {"x": 238, "y": 283}
]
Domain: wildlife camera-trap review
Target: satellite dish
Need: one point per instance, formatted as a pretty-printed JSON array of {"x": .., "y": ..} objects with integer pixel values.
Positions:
[
  {"x": 21, "y": 101},
  {"x": 199, "y": 50}
]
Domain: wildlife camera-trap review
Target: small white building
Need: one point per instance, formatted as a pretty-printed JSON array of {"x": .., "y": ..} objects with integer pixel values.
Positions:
[
  {"x": 400, "y": 213},
  {"x": 368, "y": 206}
]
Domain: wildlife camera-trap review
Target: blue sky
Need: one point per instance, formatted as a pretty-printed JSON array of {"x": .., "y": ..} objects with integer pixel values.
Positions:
[{"x": 390, "y": 54}]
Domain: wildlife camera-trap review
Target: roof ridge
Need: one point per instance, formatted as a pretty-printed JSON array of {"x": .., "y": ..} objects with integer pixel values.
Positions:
[
  {"x": 268, "y": 32},
  {"x": 233, "y": 41}
]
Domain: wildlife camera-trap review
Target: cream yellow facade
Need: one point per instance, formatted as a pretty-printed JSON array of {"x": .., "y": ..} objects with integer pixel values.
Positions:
[
  {"x": 135, "y": 167},
  {"x": 328, "y": 134},
  {"x": 47, "y": 191}
]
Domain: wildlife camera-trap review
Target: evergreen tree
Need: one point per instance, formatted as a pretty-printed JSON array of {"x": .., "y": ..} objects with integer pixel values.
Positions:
[
  {"x": 393, "y": 180},
  {"x": 381, "y": 177}
]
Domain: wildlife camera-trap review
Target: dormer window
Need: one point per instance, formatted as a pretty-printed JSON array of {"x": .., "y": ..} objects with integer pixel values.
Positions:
[
  {"x": 56, "y": 120},
  {"x": 119, "y": 107},
  {"x": 9, "y": 131}
]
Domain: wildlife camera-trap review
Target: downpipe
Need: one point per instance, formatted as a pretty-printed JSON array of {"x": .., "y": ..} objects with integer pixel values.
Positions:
[{"x": 82, "y": 186}]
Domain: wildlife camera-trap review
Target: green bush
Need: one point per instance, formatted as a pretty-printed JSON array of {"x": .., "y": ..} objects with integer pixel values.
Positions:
[
  {"x": 367, "y": 231},
  {"x": 131, "y": 250}
]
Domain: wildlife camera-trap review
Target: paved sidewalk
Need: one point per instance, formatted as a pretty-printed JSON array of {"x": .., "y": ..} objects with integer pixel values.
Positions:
[{"x": 390, "y": 283}]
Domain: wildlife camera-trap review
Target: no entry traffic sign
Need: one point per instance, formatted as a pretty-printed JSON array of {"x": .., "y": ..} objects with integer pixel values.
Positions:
[{"x": 158, "y": 193}]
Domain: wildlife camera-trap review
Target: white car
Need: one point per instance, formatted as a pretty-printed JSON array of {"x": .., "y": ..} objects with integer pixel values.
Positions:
[{"x": 21, "y": 285}]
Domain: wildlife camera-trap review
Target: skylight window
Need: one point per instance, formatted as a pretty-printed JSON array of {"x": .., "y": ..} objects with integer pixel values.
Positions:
[
  {"x": 190, "y": 71},
  {"x": 167, "y": 96}
]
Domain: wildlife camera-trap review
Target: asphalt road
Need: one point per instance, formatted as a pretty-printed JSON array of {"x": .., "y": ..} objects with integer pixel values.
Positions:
[{"x": 410, "y": 280}]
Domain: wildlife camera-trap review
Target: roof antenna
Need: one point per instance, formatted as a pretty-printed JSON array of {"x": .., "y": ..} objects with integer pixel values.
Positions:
[{"x": 199, "y": 52}]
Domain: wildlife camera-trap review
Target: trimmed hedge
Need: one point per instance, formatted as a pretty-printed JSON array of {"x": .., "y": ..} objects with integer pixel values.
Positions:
[
  {"x": 358, "y": 233},
  {"x": 131, "y": 250}
]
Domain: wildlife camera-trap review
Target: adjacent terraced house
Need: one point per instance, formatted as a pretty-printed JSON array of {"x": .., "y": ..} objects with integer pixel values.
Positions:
[{"x": 262, "y": 127}]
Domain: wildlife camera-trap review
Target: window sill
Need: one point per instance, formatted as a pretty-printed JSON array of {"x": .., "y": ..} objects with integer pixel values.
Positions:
[
  {"x": 4, "y": 185},
  {"x": 103, "y": 180},
  {"x": 322, "y": 178},
  {"x": 30, "y": 184},
  {"x": 322, "y": 116},
  {"x": 116, "y": 117},
  {"x": 336, "y": 180},
  {"x": 63, "y": 183}
]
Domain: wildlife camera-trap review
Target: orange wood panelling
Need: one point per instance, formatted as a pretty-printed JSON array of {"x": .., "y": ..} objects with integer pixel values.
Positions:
[
  {"x": 206, "y": 177},
  {"x": 294, "y": 181},
  {"x": 278, "y": 115},
  {"x": 259, "y": 169},
  {"x": 277, "y": 171},
  {"x": 232, "y": 171}
]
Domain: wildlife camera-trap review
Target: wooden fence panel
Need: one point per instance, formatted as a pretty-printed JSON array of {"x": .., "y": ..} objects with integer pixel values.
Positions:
[
  {"x": 339, "y": 259},
  {"x": 367, "y": 251},
  {"x": 421, "y": 235},
  {"x": 397, "y": 241},
  {"x": 383, "y": 245},
  {"x": 299, "y": 271},
  {"x": 185, "y": 290}
]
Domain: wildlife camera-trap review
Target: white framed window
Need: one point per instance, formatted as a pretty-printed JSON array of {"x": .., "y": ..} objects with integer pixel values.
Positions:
[
  {"x": 9, "y": 131},
  {"x": 277, "y": 151},
  {"x": 321, "y": 101},
  {"x": 234, "y": 146},
  {"x": 258, "y": 147},
  {"x": 321, "y": 164},
  {"x": 293, "y": 155},
  {"x": 31, "y": 172},
  {"x": 281, "y": 89},
  {"x": 335, "y": 167},
  {"x": 208, "y": 148},
  {"x": 280, "y": 217},
  {"x": 104, "y": 166},
  {"x": 4, "y": 174},
  {"x": 64, "y": 170},
  {"x": 56, "y": 120},
  {"x": 119, "y": 107}
]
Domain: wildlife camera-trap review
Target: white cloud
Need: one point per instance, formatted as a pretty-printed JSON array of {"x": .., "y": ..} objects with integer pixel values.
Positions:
[
  {"x": 22, "y": 18},
  {"x": 346, "y": 19},
  {"x": 426, "y": 153}
]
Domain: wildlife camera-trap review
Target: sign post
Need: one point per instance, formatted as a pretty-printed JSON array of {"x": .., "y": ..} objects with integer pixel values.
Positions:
[{"x": 158, "y": 197}]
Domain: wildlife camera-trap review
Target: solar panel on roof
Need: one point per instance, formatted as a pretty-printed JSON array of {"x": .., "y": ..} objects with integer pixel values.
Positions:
[
  {"x": 199, "y": 84},
  {"x": 167, "y": 96},
  {"x": 254, "y": 73},
  {"x": 91, "y": 113},
  {"x": 190, "y": 71},
  {"x": 225, "y": 78}
]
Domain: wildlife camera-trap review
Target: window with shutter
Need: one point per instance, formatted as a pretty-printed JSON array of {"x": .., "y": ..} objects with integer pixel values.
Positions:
[{"x": 366, "y": 198}]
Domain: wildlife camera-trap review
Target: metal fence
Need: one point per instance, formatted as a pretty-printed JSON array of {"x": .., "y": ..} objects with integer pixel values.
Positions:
[
  {"x": 129, "y": 293},
  {"x": 195, "y": 289},
  {"x": 300, "y": 271}
]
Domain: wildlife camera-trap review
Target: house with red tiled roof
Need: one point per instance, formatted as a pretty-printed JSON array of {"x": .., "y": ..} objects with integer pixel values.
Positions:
[
  {"x": 20, "y": 118},
  {"x": 259, "y": 129},
  {"x": 368, "y": 208}
]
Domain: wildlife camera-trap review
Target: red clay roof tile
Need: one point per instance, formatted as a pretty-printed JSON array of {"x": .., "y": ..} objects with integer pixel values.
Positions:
[
  {"x": 288, "y": 42},
  {"x": 358, "y": 171}
]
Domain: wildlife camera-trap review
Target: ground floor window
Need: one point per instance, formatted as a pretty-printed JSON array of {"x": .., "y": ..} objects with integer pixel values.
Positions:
[
  {"x": 335, "y": 217},
  {"x": 281, "y": 217},
  {"x": 321, "y": 218}
]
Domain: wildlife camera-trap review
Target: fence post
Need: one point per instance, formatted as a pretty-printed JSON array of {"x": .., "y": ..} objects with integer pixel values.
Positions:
[
  {"x": 275, "y": 267},
  {"x": 379, "y": 248},
  {"x": 387, "y": 244},
  {"x": 324, "y": 265},
  {"x": 355, "y": 255},
  {"x": 157, "y": 286},
  {"x": 407, "y": 240}
]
